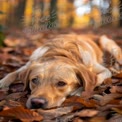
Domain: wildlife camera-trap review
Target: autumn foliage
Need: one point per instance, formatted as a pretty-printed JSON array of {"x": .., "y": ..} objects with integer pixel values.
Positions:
[{"x": 105, "y": 105}]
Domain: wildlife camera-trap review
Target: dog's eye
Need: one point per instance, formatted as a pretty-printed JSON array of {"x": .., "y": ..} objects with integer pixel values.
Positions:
[
  {"x": 35, "y": 80},
  {"x": 61, "y": 84}
]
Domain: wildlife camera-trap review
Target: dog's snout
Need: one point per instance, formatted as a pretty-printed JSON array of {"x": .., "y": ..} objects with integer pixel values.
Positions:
[{"x": 38, "y": 103}]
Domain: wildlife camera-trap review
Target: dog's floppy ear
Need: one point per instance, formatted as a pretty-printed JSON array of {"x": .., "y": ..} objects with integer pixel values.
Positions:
[
  {"x": 87, "y": 78},
  {"x": 23, "y": 75},
  {"x": 28, "y": 70}
]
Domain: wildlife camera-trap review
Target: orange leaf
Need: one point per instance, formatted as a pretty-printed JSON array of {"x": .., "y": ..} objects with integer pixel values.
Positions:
[
  {"x": 118, "y": 110},
  {"x": 118, "y": 75},
  {"x": 22, "y": 114},
  {"x": 97, "y": 119},
  {"x": 76, "y": 99},
  {"x": 115, "y": 102},
  {"x": 87, "y": 113}
]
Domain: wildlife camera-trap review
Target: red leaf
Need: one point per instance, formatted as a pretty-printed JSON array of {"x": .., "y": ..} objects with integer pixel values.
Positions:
[{"x": 22, "y": 114}]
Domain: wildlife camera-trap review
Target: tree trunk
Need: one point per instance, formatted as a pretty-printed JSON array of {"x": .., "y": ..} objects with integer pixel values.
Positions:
[
  {"x": 19, "y": 12},
  {"x": 120, "y": 11},
  {"x": 53, "y": 14}
]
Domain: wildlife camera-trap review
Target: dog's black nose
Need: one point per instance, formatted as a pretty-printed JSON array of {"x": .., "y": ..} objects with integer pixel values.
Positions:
[{"x": 38, "y": 103}]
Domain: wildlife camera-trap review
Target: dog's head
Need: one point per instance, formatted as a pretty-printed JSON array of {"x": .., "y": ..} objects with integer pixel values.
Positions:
[{"x": 51, "y": 82}]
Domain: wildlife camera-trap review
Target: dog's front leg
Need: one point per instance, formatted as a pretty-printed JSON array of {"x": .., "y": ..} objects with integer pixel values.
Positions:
[{"x": 12, "y": 77}]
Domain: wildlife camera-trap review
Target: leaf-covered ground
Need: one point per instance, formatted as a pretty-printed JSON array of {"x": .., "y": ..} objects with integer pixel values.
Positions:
[{"x": 104, "y": 105}]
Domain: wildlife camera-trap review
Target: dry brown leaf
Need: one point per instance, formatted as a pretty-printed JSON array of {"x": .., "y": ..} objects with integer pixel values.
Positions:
[
  {"x": 27, "y": 51},
  {"x": 2, "y": 102},
  {"x": 109, "y": 106},
  {"x": 22, "y": 114},
  {"x": 114, "y": 81},
  {"x": 108, "y": 81},
  {"x": 12, "y": 103},
  {"x": 118, "y": 75},
  {"x": 78, "y": 120},
  {"x": 2, "y": 94},
  {"x": 115, "y": 102},
  {"x": 4, "y": 57},
  {"x": 6, "y": 49},
  {"x": 97, "y": 119},
  {"x": 18, "y": 87},
  {"x": 109, "y": 97},
  {"x": 75, "y": 99},
  {"x": 87, "y": 113},
  {"x": 12, "y": 41},
  {"x": 53, "y": 113},
  {"x": 116, "y": 89},
  {"x": 83, "y": 113},
  {"x": 118, "y": 110},
  {"x": 15, "y": 96},
  {"x": 115, "y": 118}
]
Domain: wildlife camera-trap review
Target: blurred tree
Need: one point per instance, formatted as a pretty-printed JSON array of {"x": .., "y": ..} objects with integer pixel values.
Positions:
[
  {"x": 66, "y": 13},
  {"x": 4, "y": 7},
  {"x": 53, "y": 14},
  {"x": 2, "y": 28},
  {"x": 71, "y": 12},
  {"x": 115, "y": 12},
  {"x": 28, "y": 13},
  {"x": 120, "y": 11},
  {"x": 19, "y": 11},
  {"x": 37, "y": 14},
  {"x": 107, "y": 14}
]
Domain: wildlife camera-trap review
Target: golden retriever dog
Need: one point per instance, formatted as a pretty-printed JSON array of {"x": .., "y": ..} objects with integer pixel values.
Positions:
[{"x": 58, "y": 68}]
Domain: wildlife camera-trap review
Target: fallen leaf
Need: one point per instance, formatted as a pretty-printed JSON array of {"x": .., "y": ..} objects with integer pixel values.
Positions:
[
  {"x": 77, "y": 119},
  {"x": 108, "y": 97},
  {"x": 22, "y": 114},
  {"x": 15, "y": 96},
  {"x": 2, "y": 94},
  {"x": 118, "y": 75},
  {"x": 13, "y": 41},
  {"x": 109, "y": 106},
  {"x": 87, "y": 113},
  {"x": 75, "y": 99},
  {"x": 2, "y": 103},
  {"x": 118, "y": 110},
  {"x": 18, "y": 87},
  {"x": 97, "y": 119},
  {"x": 54, "y": 113},
  {"x": 115, "y": 102},
  {"x": 83, "y": 113},
  {"x": 108, "y": 81},
  {"x": 115, "y": 118},
  {"x": 12, "y": 103},
  {"x": 116, "y": 89}
]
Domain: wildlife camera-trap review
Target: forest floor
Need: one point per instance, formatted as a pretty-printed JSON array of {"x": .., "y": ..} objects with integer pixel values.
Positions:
[{"x": 19, "y": 46}]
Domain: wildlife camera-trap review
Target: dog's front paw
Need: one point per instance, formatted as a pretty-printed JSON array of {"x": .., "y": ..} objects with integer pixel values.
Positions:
[{"x": 3, "y": 84}]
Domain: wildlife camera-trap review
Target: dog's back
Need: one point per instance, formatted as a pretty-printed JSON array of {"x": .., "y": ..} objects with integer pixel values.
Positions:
[{"x": 78, "y": 48}]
